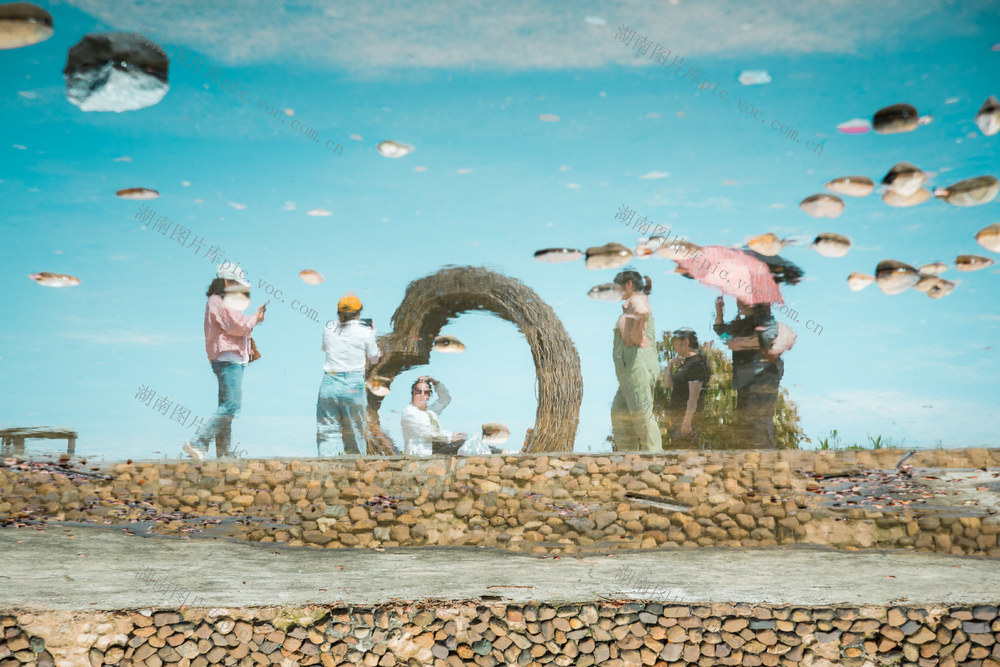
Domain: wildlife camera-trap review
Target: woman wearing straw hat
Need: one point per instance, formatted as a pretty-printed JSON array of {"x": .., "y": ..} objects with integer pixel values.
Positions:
[
  {"x": 637, "y": 367},
  {"x": 227, "y": 344}
]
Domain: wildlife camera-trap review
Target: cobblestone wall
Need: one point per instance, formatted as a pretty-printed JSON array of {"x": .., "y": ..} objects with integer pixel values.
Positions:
[
  {"x": 609, "y": 634},
  {"x": 538, "y": 504}
]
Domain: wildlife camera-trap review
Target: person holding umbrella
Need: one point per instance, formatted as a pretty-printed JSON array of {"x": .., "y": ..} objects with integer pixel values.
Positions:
[
  {"x": 756, "y": 372},
  {"x": 637, "y": 367}
]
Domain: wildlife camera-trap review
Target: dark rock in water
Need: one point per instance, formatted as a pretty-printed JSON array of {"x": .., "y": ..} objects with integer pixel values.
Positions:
[
  {"x": 970, "y": 192},
  {"x": 115, "y": 71},
  {"x": 894, "y": 277},
  {"x": 23, "y": 24},
  {"x": 896, "y": 118},
  {"x": 607, "y": 256}
]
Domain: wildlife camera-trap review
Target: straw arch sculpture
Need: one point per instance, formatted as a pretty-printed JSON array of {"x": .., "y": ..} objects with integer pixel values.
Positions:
[{"x": 430, "y": 302}]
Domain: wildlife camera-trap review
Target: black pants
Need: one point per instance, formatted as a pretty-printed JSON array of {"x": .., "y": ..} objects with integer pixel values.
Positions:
[
  {"x": 694, "y": 440},
  {"x": 755, "y": 406}
]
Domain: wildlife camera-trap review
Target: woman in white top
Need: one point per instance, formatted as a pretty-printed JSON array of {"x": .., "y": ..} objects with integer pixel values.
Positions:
[{"x": 421, "y": 427}]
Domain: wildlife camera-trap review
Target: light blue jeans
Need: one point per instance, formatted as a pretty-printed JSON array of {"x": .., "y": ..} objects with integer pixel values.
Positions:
[
  {"x": 219, "y": 426},
  {"x": 341, "y": 420}
]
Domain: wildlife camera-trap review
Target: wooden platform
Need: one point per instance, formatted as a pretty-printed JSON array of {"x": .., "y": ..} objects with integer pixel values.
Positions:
[{"x": 13, "y": 438}]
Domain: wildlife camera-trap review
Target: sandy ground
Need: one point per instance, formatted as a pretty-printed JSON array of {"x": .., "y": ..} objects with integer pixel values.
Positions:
[{"x": 81, "y": 568}]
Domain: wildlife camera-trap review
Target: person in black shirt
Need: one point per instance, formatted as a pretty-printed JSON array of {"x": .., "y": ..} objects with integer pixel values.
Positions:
[
  {"x": 756, "y": 373},
  {"x": 685, "y": 377}
]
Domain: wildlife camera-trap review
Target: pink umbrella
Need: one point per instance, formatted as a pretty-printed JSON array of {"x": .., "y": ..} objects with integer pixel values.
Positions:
[{"x": 733, "y": 272}]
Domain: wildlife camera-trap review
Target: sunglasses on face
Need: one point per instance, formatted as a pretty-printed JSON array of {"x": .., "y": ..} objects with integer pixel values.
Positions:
[{"x": 422, "y": 391}]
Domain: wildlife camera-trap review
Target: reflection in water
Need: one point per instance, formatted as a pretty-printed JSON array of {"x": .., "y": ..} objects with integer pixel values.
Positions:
[
  {"x": 754, "y": 77},
  {"x": 970, "y": 192},
  {"x": 341, "y": 423},
  {"x": 767, "y": 244},
  {"x": 685, "y": 377},
  {"x": 23, "y": 24},
  {"x": 933, "y": 269},
  {"x": 12, "y": 439},
  {"x": 989, "y": 237},
  {"x": 734, "y": 272},
  {"x": 941, "y": 288},
  {"x": 906, "y": 201},
  {"x": 378, "y": 386},
  {"x": 894, "y": 277},
  {"x": 822, "y": 206},
  {"x": 898, "y": 118},
  {"x": 852, "y": 186},
  {"x": 972, "y": 262},
  {"x": 495, "y": 433},
  {"x": 677, "y": 249},
  {"x": 855, "y": 126},
  {"x": 431, "y": 302},
  {"x": 608, "y": 256},
  {"x": 116, "y": 72},
  {"x": 311, "y": 277},
  {"x": 54, "y": 279},
  {"x": 756, "y": 339},
  {"x": 237, "y": 168},
  {"x": 229, "y": 348},
  {"x": 633, "y": 425},
  {"x": 904, "y": 179},
  {"x": 757, "y": 370},
  {"x": 448, "y": 345},
  {"x": 926, "y": 283},
  {"x": 988, "y": 118},
  {"x": 394, "y": 149},
  {"x": 558, "y": 255},
  {"x": 830, "y": 244},
  {"x": 423, "y": 434},
  {"x": 137, "y": 193},
  {"x": 606, "y": 292}
]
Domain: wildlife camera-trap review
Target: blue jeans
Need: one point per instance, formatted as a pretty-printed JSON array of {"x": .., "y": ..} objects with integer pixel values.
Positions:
[
  {"x": 219, "y": 426},
  {"x": 341, "y": 422}
]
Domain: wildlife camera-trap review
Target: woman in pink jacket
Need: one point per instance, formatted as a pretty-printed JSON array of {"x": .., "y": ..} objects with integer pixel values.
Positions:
[{"x": 227, "y": 343}]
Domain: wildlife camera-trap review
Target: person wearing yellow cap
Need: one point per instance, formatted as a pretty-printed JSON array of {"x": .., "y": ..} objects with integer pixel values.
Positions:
[{"x": 341, "y": 420}]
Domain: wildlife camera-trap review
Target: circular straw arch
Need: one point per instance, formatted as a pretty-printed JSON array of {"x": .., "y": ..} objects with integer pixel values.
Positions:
[{"x": 430, "y": 302}]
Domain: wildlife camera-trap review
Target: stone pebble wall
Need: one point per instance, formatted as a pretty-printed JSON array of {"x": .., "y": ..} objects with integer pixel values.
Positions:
[
  {"x": 609, "y": 634},
  {"x": 537, "y": 504}
]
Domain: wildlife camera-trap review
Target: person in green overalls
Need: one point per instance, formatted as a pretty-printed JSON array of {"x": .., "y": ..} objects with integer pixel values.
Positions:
[{"x": 637, "y": 367}]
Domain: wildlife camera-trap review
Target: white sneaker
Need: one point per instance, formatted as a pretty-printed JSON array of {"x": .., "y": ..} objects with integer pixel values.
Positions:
[{"x": 194, "y": 452}]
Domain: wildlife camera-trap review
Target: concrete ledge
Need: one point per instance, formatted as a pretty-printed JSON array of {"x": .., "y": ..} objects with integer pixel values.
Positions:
[{"x": 86, "y": 568}]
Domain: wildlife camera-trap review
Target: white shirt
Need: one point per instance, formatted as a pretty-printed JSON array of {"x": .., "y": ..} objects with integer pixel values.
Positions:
[
  {"x": 347, "y": 347},
  {"x": 421, "y": 426}
]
